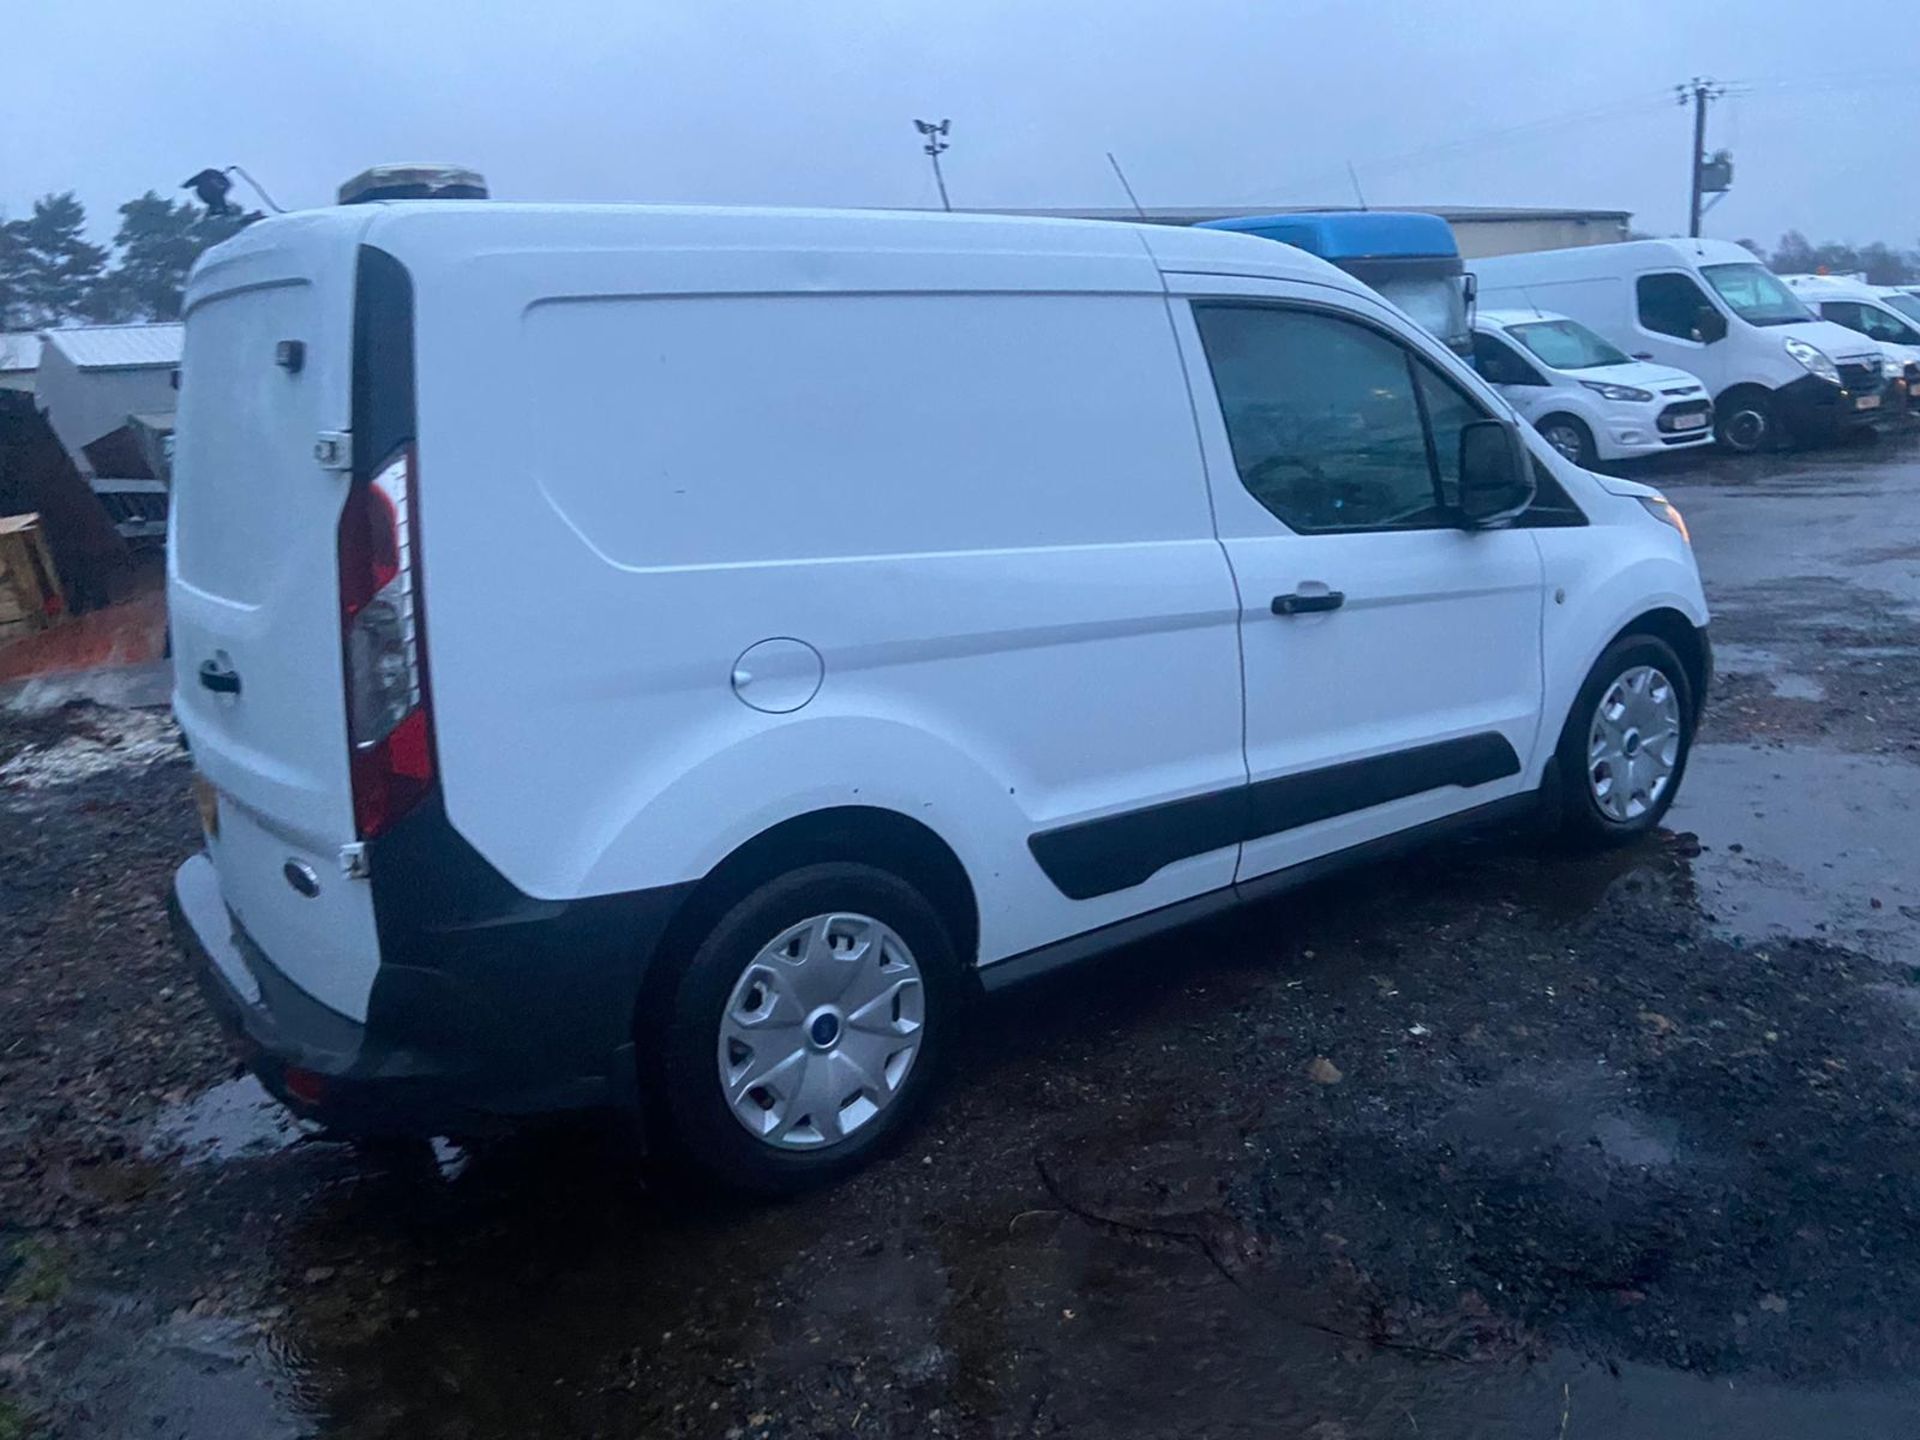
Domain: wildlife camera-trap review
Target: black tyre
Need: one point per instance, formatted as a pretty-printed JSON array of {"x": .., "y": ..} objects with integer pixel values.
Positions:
[
  {"x": 1623, "y": 751},
  {"x": 806, "y": 1028},
  {"x": 1570, "y": 436},
  {"x": 1746, "y": 421}
]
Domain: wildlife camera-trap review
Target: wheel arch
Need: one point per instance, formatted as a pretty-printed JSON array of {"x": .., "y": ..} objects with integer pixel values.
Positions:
[
  {"x": 1687, "y": 640},
  {"x": 1563, "y": 413},
  {"x": 859, "y": 834}
]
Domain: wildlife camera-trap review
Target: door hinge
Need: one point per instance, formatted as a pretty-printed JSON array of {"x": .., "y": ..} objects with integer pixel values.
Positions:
[
  {"x": 354, "y": 863},
  {"x": 333, "y": 450}
]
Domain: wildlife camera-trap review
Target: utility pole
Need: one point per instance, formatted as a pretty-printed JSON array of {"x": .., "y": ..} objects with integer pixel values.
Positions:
[
  {"x": 936, "y": 137},
  {"x": 1699, "y": 91}
]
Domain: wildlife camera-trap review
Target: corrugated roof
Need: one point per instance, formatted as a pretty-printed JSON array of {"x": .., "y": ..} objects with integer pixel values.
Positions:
[
  {"x": 119, "y": 347},
  {"x": 19, "y": 351}
]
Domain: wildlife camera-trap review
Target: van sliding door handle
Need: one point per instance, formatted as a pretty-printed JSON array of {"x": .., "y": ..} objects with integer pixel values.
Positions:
[
  {"x": 218, "y": 679},
  {"x": 1307, "y": 603}
]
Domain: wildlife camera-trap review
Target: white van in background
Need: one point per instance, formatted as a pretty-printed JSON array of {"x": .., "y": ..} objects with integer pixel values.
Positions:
[
  {"x": 1864, "y": 309},
  {"x": 1589, "y": 401},
  {"x": 844, "y": 611},
  {"x": 1707, "y": 307},
  {"x": 1905, "y": 299}
]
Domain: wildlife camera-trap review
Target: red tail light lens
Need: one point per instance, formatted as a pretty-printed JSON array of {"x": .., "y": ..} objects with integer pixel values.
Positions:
[{"x": 389, "y": 721}]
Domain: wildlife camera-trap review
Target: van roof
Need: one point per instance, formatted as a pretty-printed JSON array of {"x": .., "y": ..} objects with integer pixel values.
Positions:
[
  {"x": 822, "y": 249},
  {"x": 1350, "y": 234},
  {"x": 1609, "y": 259},
  {"x": 1833, "y": 286}
]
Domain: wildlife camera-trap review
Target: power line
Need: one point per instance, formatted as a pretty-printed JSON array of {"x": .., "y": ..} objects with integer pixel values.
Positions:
[{"x": 1485, "y": 139}]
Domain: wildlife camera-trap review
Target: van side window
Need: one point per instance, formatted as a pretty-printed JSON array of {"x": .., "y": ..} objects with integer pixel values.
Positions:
[
  {"x": 1874, "y": 323},
  {"x": 1325, "y": 421},
  {"x": 1842, "y": 312},
  {"x": 1449, "y": 409},
  {"x": 1670, "y": 304},
  {"x": 1498, "y": 365}
]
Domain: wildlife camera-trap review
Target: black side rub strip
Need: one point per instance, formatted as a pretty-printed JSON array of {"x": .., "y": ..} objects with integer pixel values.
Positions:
[{"x": 1097, "y": 857}]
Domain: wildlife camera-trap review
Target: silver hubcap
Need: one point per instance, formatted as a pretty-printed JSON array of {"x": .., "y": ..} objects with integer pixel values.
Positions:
[
  {"x": 1565, "y": 439},
  {"x": 1745, "y": 429},
  {"x": 820, "y": 1031},
  {"x": 1633, "y": 744}
]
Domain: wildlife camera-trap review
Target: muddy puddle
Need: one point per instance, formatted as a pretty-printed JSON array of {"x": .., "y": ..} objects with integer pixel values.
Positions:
[{"x": 1802, "y": 841}]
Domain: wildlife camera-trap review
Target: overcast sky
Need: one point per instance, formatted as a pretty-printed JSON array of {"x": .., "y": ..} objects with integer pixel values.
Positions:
[{"x": 1206, "y": 102}]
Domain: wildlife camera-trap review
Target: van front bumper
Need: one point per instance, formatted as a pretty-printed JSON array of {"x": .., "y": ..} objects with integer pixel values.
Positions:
[
  {"x": 1816, "y": 410},
  {"x": 441, "y": 1051}
]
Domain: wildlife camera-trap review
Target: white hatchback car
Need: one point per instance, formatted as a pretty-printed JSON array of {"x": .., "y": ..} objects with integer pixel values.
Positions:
[
  {"x": 1582, "y": 394},
  {"x": 659, "y": 660}
]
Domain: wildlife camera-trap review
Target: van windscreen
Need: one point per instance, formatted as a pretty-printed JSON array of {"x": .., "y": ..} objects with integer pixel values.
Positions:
[
  {"x": 1756, "y": 294},
  {"x": 1566, "y": 344}
]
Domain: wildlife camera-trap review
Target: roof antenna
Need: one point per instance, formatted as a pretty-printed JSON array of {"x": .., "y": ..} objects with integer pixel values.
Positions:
[
  {"x": 1137, "y": 209},
  {"x": 1358, "y": 194}
]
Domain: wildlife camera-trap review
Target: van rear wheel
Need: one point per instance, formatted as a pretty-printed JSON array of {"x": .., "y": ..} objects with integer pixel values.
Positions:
[{"x": 807, "y": 1027}]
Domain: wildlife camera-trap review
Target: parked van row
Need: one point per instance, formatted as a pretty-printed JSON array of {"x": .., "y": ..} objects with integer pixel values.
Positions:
[
  {"x": 1730, "y": 352},
  {"x": 1773, "y": 369},
  {"x": 853, "y": 611}
]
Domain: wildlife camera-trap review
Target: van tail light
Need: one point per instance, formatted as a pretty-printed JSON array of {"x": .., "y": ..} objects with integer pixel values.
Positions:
[{"x": 389, "y": 720}]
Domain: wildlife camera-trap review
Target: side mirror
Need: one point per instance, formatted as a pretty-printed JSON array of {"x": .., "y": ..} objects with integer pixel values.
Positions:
[
  {"x": 1496, "y": 480},
  {"x": 1709, "y": 324}
]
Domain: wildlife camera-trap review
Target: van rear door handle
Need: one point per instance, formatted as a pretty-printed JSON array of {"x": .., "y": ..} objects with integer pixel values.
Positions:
[
  {"x": 218, "y": 678},
  {"x": 1306, "y": 603},
  {"x": 1643, "y": 354}
]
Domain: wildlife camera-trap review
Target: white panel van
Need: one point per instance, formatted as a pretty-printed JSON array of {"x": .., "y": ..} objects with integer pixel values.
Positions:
[
  {"x": 664, "y": 660},
  {"x": 1708, "y": 307},
  {"x": 1870, "y": 311}
]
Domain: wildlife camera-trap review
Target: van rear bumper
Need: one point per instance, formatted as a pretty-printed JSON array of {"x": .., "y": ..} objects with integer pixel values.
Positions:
[{"x": 442, "y": 1051}]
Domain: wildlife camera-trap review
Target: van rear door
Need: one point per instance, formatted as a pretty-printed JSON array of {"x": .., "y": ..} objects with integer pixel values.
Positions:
[{"x": 254, "y": 594}]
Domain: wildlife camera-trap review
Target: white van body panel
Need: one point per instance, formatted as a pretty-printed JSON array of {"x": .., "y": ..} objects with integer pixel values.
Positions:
[
  {"x": 728, "y": 518},
  {"x": 1020, "y": 613},
  {"x": 1595, "y": 284},
  {"x": 1410, "y": 595}
]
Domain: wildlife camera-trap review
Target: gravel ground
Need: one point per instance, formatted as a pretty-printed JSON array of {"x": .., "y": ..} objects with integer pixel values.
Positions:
[{"x": 1484, "y": 1143}]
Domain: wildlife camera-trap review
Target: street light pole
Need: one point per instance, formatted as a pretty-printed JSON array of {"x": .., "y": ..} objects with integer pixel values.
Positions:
[{"x": 936, "y": 137}]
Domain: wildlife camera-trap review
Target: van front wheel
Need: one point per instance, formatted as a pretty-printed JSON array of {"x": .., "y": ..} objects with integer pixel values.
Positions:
[
  {"x": 807, "y": 1027},
  {"x": 1747, "y": 422},
  {"x": 1571, "y": 438},
  {"x": 1624, "y": 749}
]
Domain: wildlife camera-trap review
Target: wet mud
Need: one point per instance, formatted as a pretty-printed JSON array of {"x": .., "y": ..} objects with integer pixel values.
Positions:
[{"x": 1489, "y": 1142}]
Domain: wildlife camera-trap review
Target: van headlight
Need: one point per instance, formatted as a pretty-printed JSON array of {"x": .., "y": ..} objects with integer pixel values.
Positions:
[
  {"x": 1618, "y": 392},
  {"x": 1815, "y": 359},
  {"x": 1663, "y": 510},
  {"x": 1890, "y": 368}
]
